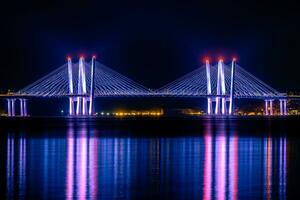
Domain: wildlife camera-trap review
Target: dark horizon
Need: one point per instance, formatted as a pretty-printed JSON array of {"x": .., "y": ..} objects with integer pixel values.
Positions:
[{"x": 152, "y": 43}]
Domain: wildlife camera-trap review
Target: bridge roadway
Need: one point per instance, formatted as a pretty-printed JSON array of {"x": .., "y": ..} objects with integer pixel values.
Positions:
[{"x": 150, "y": 94}]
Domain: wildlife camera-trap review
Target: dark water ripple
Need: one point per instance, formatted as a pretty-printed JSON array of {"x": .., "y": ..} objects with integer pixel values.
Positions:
[{"x": 84, "y": 161}]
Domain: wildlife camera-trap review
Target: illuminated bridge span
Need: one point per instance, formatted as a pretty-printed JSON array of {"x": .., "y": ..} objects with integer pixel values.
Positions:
[
  {"x": 75, "y": 78},
  {"x": 82, "y": 82},
  {"x": 221, "y": 84}
]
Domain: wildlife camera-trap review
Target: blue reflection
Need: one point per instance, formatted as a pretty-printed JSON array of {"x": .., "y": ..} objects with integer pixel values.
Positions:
[
  {"x": 16, "y": 166},
  {"x": 82, "y": 164}
]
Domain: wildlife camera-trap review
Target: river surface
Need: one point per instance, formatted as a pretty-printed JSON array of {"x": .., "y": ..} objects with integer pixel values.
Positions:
[{"x": 164, "y": 159}]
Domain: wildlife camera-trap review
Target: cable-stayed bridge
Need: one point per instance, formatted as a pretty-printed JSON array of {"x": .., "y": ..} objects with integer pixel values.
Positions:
[{"x": 221, "y": 84}]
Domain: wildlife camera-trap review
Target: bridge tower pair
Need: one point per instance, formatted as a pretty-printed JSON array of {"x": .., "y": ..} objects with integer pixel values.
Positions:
[
  {"x": 81, "y": 103},
  {"x": 220, "y": 98},
  {"x": 282, "y": 107},
  {"x": 11, "y": 108}
]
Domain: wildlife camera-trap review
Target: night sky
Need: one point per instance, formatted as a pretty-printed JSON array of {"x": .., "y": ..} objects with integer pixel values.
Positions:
[{"x": 148, "y": 41}]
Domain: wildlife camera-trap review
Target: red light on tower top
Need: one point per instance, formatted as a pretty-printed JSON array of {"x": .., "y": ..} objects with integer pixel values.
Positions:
[
  {"x": 205, "y": 60},
  {"x": 94, "y": 56},
  {"x": 234, "y": 59},
  {"x": 221, "y": 59},
  {"x": 81, "y": 56}
]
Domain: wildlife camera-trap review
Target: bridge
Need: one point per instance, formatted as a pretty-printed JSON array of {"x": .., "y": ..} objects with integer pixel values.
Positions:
[{"x": 82, "y": 82}]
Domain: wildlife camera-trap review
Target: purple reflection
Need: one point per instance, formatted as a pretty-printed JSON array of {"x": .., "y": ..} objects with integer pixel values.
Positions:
[
  {"x": 282, "y": 168},
  {"x": 81, "y": 175},
  {"x": 268, "y": 156},
  {"x": 82, "y": 164},
  {"x": 233, "y": 167},
  {"x": 22, "y": 166},
  {"x": 10, "y": 165},
  {"x": 93, "y": 169},
  {"x": 16, "y": 165},
  {"x": 207, "y": 165},
  {"x": 70, "y": 163},
  {"x": 221, "y": 166}
]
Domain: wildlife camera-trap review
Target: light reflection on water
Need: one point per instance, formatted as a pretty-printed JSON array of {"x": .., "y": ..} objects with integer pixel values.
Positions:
[{"x": 83, "y": 165}]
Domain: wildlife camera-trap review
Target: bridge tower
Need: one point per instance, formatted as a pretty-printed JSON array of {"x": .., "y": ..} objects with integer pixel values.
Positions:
[
  {"x": 81, "y": 99},
  {"x": 231, "y": 99},
  {"x": 71, "y": 90},
  {"x": 84, "y": 104},
  {"x": 209, "y": 100},
  {"x": 221, "y": 90},
  {"x": 92, "y": 91}
]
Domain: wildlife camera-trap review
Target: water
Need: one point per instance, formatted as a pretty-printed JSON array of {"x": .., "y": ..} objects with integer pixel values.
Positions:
[{"x": 206, "y": 159}]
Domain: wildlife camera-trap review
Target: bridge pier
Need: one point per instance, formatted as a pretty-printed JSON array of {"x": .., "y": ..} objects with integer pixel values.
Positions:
[
  {"x": 81, "y": 106},
  {"x": 209, "y": 106},
  {"x": 23, "y": 107},
  {"x": 285, "y": 112},
  {"x": 11, "y": 109},
  {"x": 71, "y": 106},
  {"x": 11, "y": 112},
  {"x": 224, "y": 106},
  {"x": 266, "y": 107},
  {"x": 269, "y": 107},
  {"x": 217, "y": 106},
  {"x": 221, "y": 105},
  {"x": 84, "y": 106},
  {"x": 281, "y": 106},
  {"x": 78, "y": 106}
]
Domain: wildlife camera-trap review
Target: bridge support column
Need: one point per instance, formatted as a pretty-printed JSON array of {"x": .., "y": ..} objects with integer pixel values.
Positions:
[
  {"x": 266, "y": 107},
  {"x": 209, "y": 106},
  {"x": 81, "y": 106},
  {"x": 25, "y": 107},
  {"x": 285, "y": 107},
  {"x": 21, "y": 108},
  {"x": 71, "y": 106},
  {"x": 84, "y": 106},
  {"x": 271, "y": 107},
  {"x": 9, "y": 110},
  {"x": 281, "y": 106},
  {"x": 78, "y": 106},
  {"x": 224, "y": 106},
  {"x": 217, "y": 106},
  {"x": 13, "y": 107}
]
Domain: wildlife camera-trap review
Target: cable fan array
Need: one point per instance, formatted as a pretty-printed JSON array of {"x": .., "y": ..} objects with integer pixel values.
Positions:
[
  {"x": 195, "y": 84},
  {"x": 108, "y": 82}
]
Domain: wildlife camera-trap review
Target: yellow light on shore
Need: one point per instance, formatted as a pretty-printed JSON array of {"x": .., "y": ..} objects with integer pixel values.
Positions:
[{"x": 137, "y": 113}]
